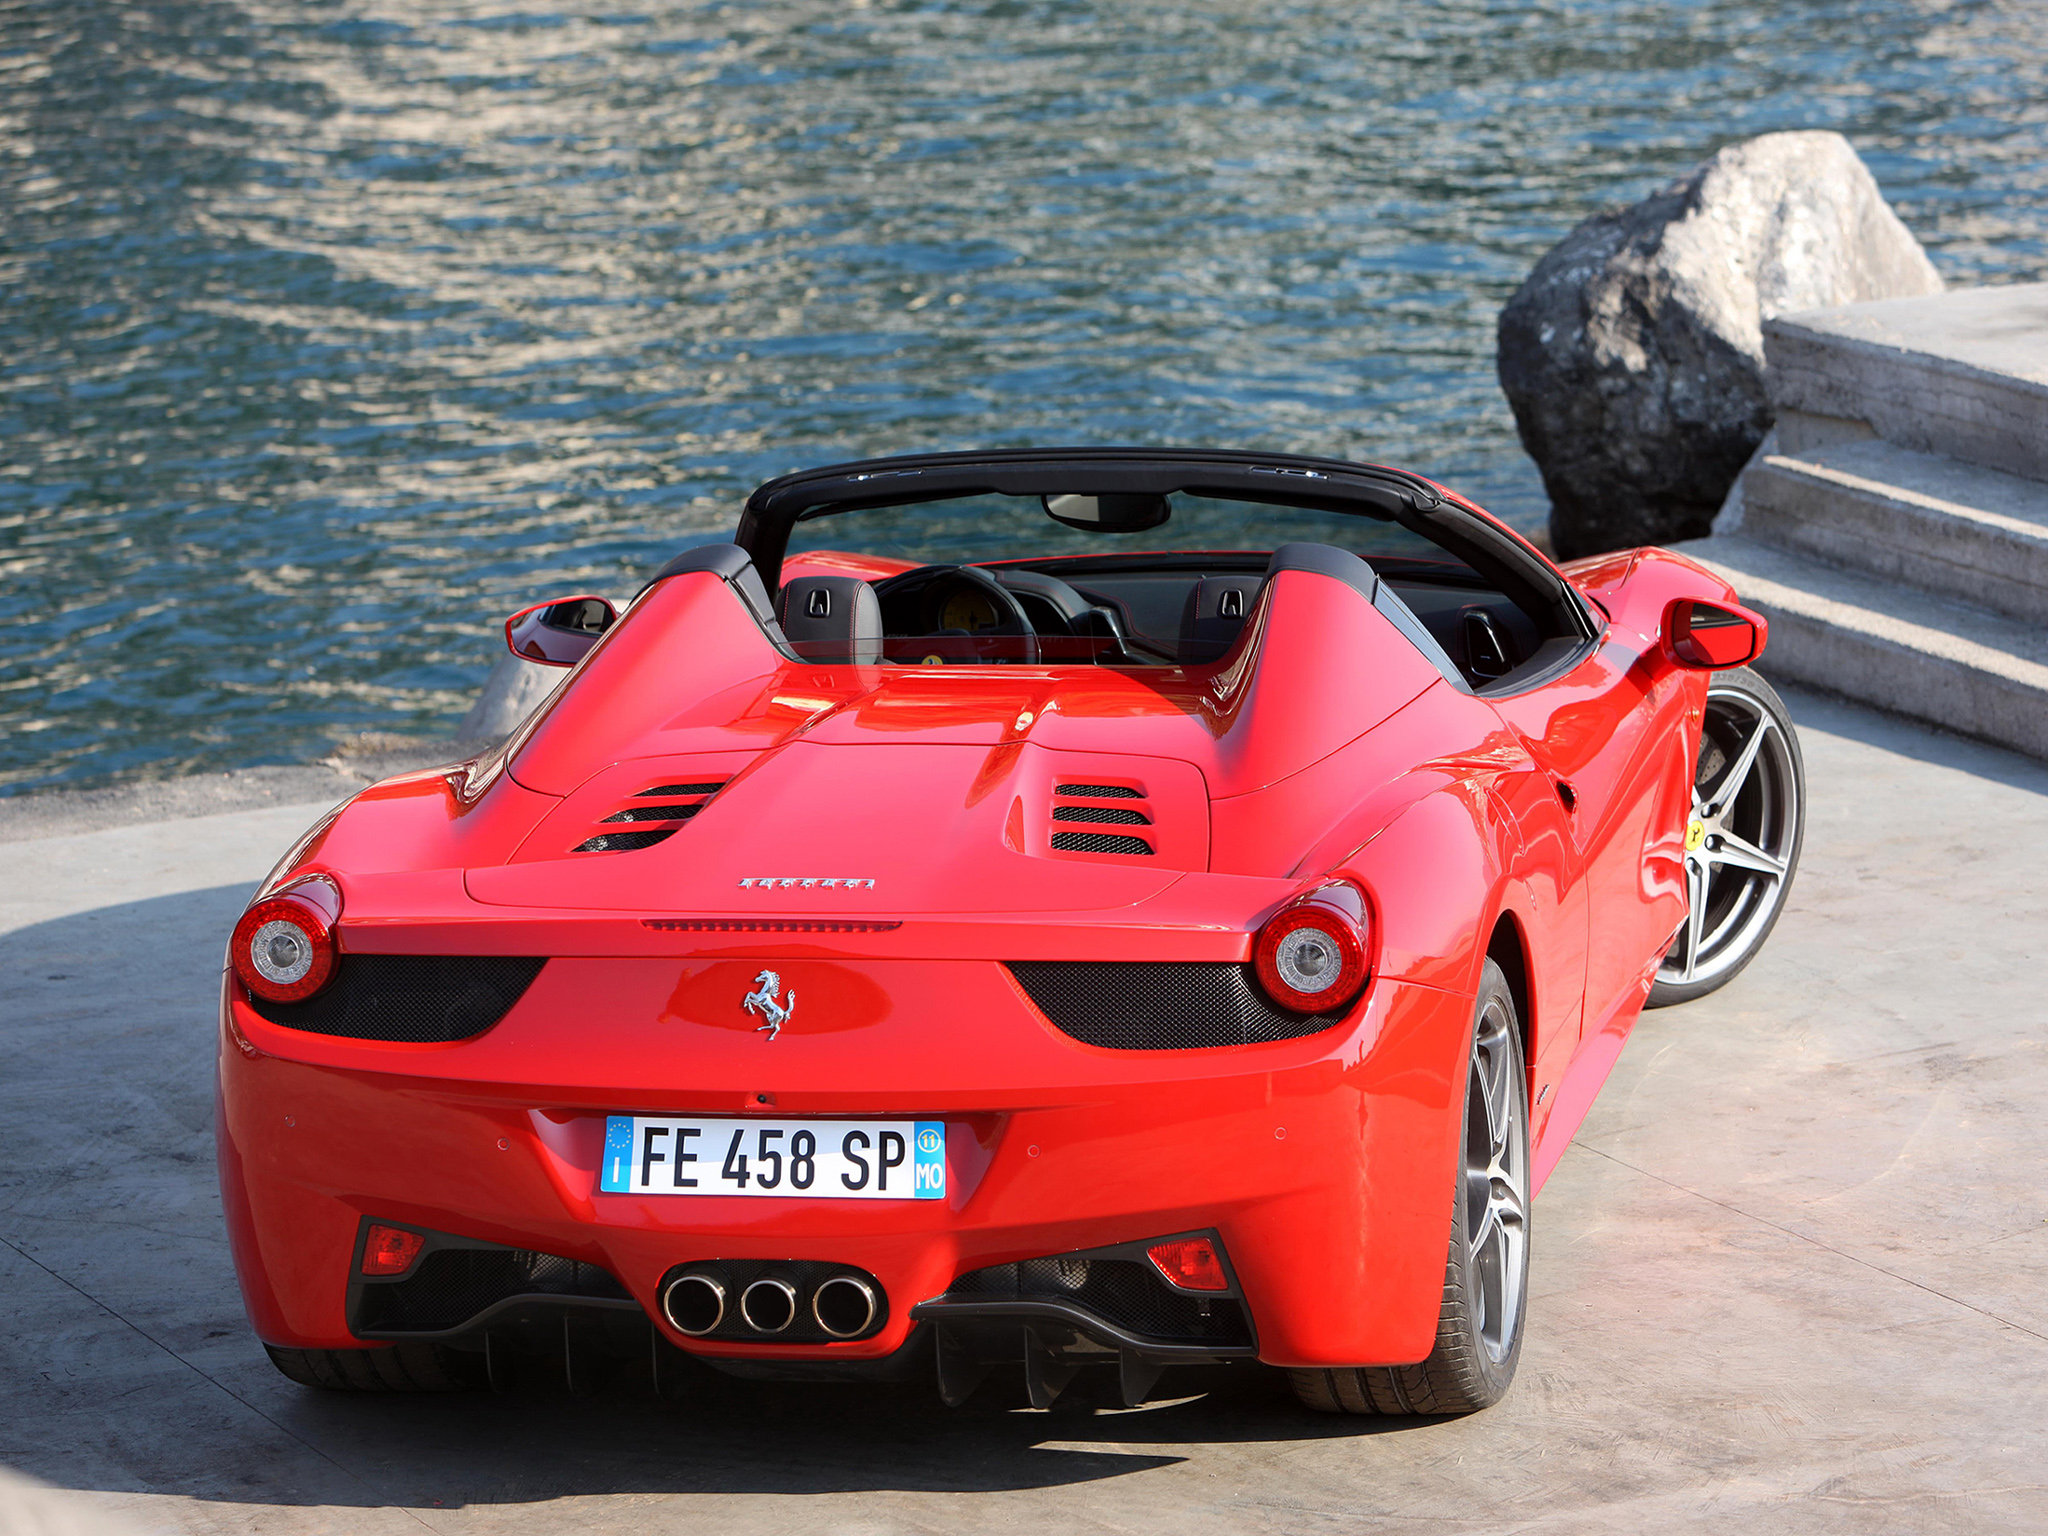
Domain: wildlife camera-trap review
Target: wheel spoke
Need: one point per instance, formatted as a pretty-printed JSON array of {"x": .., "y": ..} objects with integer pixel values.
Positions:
[
  {"x": 1510, "y": 1276},
  {"x": 1695, "y": 917},
  {"x": 1505, "y": 1207},
  {"x": 1493, "y": 1089},
  {"x": 1738, "y": 771},
  {"x": 1489, "y": 1229},
  {"x": 1744, "y": 854}
]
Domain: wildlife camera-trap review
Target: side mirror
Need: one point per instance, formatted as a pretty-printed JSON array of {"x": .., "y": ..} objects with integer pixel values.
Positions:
[
  {"x": 1708, "y": 636},
  {"x": 559, "y": 633}
]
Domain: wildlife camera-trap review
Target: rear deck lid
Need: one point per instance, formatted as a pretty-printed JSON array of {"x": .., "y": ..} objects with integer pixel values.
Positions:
[{"x": 879, "y": 829}]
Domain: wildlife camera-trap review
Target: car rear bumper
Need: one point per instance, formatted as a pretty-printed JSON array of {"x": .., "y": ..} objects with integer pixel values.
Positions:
[{"x": 1323, "y": 1164}]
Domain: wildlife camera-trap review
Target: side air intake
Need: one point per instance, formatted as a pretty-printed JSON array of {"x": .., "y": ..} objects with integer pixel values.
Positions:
[{"x": 665, "y": 806}]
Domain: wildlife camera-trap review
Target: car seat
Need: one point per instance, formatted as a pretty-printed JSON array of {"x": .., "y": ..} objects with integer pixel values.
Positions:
[{"x": 1215, "y": 611}]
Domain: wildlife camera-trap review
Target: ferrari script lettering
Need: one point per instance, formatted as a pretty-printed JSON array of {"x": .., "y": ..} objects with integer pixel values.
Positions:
[{"x": 804, "y": 883}]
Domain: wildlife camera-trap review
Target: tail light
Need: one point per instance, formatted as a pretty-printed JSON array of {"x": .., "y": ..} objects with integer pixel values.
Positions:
[
  {"x": 1189, "y": 1264},
  {"x": 1312, "y": 955},
  {"x": 284, "y": 948}
]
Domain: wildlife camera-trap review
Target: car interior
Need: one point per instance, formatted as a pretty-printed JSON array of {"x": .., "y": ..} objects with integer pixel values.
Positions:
[
  {"x": 1169, "y": 609},
  {"x": 1486, "y": 620}
]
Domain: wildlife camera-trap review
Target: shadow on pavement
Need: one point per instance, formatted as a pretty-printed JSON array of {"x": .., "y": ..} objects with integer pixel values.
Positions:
[
  {"x": 126, "y": 1364},
  {"x": 1814, "y": 710}
]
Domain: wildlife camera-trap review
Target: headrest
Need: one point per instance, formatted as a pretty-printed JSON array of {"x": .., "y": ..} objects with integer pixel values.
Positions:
[
  {"x": 831, "y": 619},
  {"x": 1215, "y": 611}
]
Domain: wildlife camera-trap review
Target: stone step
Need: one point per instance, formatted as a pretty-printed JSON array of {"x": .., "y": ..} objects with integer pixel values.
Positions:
[
  {"x": 1963, "y": 373},
  {"x": 1972, "y": 671},
  {"x": 1935, "y": 523}
]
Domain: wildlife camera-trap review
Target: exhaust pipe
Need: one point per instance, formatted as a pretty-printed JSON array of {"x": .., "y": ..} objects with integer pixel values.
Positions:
[
  {"x": 768, "y": 1306},
  {"x": 694, "y": 1304},
  {"x": 845, "y": 1306}
]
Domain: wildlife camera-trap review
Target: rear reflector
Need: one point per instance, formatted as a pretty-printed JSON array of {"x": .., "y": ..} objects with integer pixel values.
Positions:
[
  {"x": 1189, "y": 1264},
  {"x": 390, "y": 1250}
]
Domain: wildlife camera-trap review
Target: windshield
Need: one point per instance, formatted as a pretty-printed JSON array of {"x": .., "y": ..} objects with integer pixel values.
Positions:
[
  {"x": 970, "y": 529},
  {"x": 993, "y": 579}
]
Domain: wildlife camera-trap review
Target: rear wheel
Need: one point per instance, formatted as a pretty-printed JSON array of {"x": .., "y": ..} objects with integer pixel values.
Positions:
[
  {"x": 400, "y": 1368},
  {"x": 1486, "y": 1278},
  {"x": 1742, "y": 839}
]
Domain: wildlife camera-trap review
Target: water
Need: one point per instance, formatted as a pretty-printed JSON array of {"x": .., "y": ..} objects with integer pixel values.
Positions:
[{"x": 330, "y": 332}]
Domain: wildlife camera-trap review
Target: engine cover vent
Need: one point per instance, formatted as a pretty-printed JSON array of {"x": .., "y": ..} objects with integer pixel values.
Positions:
[
  {"x": 669, "y": 805},
  {"x": 1075, "y": 803},
  {"x": 1100, "y": 842},
  {"x": 1099, "y": 814}
]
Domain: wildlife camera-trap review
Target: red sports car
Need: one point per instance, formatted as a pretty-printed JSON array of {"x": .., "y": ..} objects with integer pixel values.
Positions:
[{"x": 1183, "y": 927}]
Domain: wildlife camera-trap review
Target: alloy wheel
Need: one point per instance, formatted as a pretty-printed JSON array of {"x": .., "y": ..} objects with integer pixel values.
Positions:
[
  {"x": 1496, "y": 1184},
  {"x": 1739, "y": 841}
]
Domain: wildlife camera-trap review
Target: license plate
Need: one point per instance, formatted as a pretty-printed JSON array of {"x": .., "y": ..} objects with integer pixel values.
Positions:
[{"x": 787, "y": 1159}]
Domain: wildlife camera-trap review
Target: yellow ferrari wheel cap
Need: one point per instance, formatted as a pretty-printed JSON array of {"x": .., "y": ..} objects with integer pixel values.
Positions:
[{"x": 1695, "y": 834}]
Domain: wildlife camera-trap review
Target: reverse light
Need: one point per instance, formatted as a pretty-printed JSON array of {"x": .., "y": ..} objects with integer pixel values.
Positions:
[
  {"x": 283, "y": 948},
  {"x": 1189, "y": 1264},
  {"x": 1311, "y": 956},
  {"x": 390, "y": 1250}
]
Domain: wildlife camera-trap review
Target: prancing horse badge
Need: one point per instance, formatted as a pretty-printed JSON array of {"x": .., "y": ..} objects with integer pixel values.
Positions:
[{"x": 762, "y": 1001}]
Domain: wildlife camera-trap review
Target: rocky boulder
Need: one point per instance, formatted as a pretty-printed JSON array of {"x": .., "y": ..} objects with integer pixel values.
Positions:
[
  {"x": 1633, "y": 355},
  {"x": 514, "y": 690}
]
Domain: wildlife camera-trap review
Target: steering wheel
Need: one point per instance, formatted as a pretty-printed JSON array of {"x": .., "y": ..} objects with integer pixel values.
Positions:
[{"x": 955, "y": 613}]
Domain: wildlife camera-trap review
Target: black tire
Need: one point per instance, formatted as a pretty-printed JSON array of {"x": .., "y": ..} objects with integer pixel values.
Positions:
[
  {"x": 398, "y": 1368},
  {"x": 1766, "y": 816},
  {"x": 1474, "y": 1361}
]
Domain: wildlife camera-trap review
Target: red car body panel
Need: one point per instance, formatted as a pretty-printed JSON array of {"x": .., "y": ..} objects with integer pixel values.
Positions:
[{"x": 1324, "y": 1162}]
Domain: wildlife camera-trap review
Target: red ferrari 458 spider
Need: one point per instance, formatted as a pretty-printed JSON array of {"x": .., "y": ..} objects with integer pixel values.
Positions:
[{"x": 1184, "y": 926}]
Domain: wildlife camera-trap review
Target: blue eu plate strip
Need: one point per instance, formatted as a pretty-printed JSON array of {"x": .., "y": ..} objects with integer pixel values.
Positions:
[
  {"x": 618, "y": 1154},
  {"x": 928, "y": 1166}
]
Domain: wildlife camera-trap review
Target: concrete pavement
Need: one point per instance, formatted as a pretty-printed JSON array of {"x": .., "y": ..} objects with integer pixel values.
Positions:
[{"x": 1793, "y": 1276}]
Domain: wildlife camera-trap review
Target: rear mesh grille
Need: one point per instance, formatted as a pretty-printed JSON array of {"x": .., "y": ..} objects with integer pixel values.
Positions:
[
  {"x": 1120, "y": 1291},
  {"x": 420, "y": 999},
  {"x": 686, "y": 801},
  {"x": 1100, "y": 791},
  {"x": 1099, "y": 842},
  {"x": 452, "y": 1285},
  {"x": 1159, "y": 1005},
  {"x": 1117, "y": 814}
]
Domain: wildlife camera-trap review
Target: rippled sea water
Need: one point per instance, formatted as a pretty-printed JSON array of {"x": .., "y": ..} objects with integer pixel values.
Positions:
[{"x": 331, "y": 331}]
